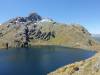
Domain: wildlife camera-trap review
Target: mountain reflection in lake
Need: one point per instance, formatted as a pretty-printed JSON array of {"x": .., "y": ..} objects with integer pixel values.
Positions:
[{"x": 38, "y": 60}]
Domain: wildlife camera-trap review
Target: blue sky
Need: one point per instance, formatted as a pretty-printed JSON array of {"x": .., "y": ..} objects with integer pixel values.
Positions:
[{"x": 84, "y": 12}]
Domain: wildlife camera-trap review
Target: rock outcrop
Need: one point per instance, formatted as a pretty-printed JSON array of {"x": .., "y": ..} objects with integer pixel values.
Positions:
[{"x": 32, "y": 17}]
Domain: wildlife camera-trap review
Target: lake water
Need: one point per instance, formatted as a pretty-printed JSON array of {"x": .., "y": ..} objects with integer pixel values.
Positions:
[{"x": 38, "y": 60}]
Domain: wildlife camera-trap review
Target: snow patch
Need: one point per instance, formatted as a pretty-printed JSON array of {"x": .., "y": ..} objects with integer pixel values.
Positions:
[{"x": 46, "y": 20}]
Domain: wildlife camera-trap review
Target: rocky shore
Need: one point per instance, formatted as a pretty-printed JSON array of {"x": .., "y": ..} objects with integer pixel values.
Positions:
[{"x": 90, "y": 66}]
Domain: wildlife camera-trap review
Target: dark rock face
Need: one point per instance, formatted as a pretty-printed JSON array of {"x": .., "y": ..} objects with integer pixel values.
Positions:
[
  {"x": 34, "y": 17},
  {"x": 18, "y": 19},
  {"x": 25, "y": 37},
  {"x": 32, "y": 32},
  {"x": 21, "y": 19},
  {"x": 36, "y": 33},
  {"x": 1, "y": 34}
]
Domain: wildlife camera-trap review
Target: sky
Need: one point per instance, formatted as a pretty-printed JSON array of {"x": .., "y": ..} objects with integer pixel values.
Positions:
[{"x": 83, "y": 12}]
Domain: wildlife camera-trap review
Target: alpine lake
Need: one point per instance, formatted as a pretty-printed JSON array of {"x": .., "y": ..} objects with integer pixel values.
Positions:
[{"x": 39, "y": 60}]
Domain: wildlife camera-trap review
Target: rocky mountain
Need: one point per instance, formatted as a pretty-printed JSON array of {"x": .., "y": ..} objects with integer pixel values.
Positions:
[
  {"x": 35, "y": 30},
  {"x": 32, "y": 17}
]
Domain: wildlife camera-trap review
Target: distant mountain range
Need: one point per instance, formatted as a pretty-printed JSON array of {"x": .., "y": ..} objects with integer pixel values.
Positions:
[{"x": 96, "y": 35}]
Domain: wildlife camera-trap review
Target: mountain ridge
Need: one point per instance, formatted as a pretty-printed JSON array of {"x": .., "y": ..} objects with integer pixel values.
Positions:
[{"x": 45, "y": 32}]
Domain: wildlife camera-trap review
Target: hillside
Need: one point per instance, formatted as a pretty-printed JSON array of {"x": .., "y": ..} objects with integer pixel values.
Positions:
[{"x": 44, "y": 32}]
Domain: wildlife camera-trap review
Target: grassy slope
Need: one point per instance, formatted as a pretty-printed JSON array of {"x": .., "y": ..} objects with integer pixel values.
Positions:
[
  {"x": 66, "y": 35},
  {"x": 7, "y": 37}
]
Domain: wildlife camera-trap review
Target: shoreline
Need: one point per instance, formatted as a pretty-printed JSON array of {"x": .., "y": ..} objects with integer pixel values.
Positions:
[
  {"x": 70, "y": 68},
  {"x": 81, "y": 65},
  {"x": 76, "y": 67},
  {"x": 45, "y": 44}
]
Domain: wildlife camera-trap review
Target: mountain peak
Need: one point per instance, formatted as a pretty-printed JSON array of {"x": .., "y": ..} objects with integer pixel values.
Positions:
[{"x": 32, "y": 17}]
